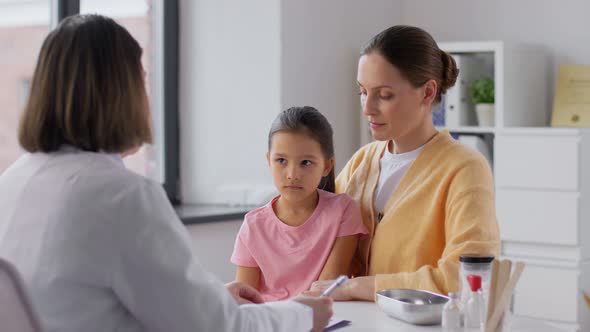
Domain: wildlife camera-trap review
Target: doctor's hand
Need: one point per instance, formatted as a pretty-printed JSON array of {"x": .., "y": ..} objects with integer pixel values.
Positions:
[
  {"x": 322, "y": 310},
  {"x": 359, "y": 288},
  {"x": 243, "y": 294}
]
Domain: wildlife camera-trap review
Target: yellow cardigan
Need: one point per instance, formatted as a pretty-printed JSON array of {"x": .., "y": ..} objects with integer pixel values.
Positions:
[{"x": 443, "y": 208}]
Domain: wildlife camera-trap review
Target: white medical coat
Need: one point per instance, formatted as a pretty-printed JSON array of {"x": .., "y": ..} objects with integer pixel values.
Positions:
[{"x": 101, "y": 249}]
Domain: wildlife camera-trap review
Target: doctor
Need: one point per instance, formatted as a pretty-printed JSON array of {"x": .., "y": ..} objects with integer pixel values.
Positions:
[{"x": 100, "y": 248}]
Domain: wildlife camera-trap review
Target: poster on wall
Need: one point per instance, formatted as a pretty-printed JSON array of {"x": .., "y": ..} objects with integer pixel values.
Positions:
[{"x": 571, "y": 106}]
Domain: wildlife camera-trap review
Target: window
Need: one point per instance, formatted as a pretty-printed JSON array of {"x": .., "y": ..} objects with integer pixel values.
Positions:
[
  {"x": 23, "y": 27},
  {"x": 136, "y": 17},
  {"x": 154, "y": 24},
  {"x": 24, "y": 24}
]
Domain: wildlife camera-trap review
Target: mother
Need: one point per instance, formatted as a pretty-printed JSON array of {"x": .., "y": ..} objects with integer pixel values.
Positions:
[{"x": 425, "y": 198}]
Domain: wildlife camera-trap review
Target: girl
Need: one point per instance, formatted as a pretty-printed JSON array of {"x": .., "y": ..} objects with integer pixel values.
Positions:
[{"x": 307, "y": 232}]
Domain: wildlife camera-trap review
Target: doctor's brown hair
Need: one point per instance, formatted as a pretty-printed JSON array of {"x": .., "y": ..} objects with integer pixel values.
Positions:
[
  {"x": 87, "y": 90},
  {"x": 416, "y": 55}
]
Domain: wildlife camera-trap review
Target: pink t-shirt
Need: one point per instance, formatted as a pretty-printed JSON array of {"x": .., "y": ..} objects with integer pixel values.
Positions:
[{"x": 291, "y": 258}]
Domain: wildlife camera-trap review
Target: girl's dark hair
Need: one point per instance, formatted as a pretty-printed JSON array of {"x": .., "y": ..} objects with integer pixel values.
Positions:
[
  {"x": 309, "y": 121},
  {"x": 88, "y": 90},
  {"x": 415, "y": 54}
]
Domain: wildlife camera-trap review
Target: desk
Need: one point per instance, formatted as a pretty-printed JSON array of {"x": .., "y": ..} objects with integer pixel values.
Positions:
[{"x": 367, "y": 316}]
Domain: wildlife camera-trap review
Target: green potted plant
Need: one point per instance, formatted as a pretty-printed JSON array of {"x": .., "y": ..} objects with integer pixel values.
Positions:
[{"x": 482, "y": 95}]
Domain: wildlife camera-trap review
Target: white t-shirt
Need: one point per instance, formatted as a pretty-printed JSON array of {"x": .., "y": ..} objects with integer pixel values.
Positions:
[
  {"x": 392, "y": 170},
  {"x": 101, "y": 249}
]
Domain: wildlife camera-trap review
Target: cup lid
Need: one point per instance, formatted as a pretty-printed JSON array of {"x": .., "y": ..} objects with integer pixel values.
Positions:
[{"x": 475, "y": 259}]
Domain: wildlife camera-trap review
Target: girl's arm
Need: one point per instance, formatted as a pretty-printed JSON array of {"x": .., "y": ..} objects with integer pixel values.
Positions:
[
  {"x": 249, "y": 275},
  {"x": 340, "y": 257}
]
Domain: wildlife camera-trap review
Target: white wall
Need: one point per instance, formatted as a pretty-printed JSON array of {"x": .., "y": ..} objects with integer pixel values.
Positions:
[
  {"x": 245, "y": 61},
  {"x": 229, "y": 92},
  {"x": 321, "y": 41},
  {"x": 213, "y": 244},
  {"x": 562, "y": 28}
]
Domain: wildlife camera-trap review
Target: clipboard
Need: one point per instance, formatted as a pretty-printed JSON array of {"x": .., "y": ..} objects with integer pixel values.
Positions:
[{"x": 336, "y": 323}]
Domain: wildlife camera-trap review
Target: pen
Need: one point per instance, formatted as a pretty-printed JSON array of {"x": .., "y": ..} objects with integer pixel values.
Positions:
[{"x": 338, "y": 282}]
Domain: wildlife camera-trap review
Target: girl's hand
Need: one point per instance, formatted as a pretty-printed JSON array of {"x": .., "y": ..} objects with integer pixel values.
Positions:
[
  {"x": 360, "y": 288},
  {"x": 243, "y": 293},
  {"x": 341, "y": 293}
]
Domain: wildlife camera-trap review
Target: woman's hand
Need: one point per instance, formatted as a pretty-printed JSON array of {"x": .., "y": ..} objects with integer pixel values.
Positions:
[
  {"x": 360, "y": 288},
  {"x": 322, "y": 310},
  {"x": 243, "y": 294}
]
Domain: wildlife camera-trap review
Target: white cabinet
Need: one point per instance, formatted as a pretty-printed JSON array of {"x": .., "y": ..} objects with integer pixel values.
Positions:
[
  {"x": 540, "y": 162},
  {"x": 549, "y": 293},
  {"x": 534, "y": 216},
  {"x": 543, "y": 205}
]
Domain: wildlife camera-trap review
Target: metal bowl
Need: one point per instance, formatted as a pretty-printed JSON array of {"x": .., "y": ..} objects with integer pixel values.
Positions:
[{"x": 414, "y": 306}]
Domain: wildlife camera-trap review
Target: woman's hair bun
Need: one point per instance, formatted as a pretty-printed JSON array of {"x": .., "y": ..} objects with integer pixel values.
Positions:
[{"x": 449, "y": 73}]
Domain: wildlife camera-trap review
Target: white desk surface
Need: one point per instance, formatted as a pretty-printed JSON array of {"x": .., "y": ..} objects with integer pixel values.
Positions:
[{"x": 367, "y": 316}]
